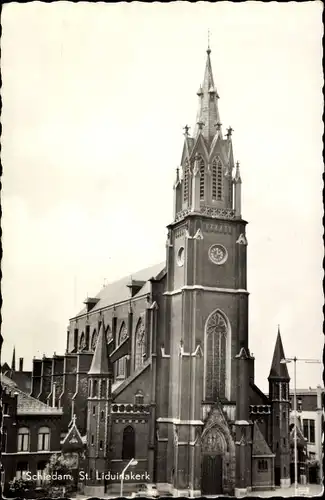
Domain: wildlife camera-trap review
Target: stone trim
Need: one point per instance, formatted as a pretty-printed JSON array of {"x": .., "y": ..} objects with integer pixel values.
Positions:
[
  {"x": 169, "y": 420},
  {"x": 206, "y": 289}
]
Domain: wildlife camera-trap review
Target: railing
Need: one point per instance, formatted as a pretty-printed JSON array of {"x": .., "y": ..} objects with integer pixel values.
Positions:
[
  {"x": 214, "y": 212},
  {"x": 130, "y": 408}
]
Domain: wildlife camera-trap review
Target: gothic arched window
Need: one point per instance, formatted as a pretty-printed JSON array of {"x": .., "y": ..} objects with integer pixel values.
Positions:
[
  {"x": 202, "y": 177},
  {"x": 217, "y": 180},
  {"x": 87, "y": 336},
  {"x": 186, "y": 182},
  {"x": 103, "y": 389},
  {"x": 108, "y": 333},
  {"x": 121, "y": 363},
  {"x": 94, "y": 340},
  {"x": 128, "y": 449},
  {"x": 215, "y": 356},
  {"x": 82, "y": 343},
  {"x": 140, "y": 344}
]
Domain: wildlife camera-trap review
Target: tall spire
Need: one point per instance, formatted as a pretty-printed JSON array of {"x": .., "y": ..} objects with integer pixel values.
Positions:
[
  {"x": 279, "y": 370},
  {"x": 13, "y": 362},
  {"x": 208, "y": 113},
  {"x": 100, "y": 364}
]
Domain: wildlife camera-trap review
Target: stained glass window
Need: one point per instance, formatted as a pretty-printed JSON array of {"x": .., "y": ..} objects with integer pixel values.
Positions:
[
  {"x": 140, "y": 344},
  {"x": 121, "y": 363},
  {"x": 216, "y": 336}
]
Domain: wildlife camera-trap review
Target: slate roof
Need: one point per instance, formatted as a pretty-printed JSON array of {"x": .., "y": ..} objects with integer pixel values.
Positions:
[
  {"x": 260, "y": 446},
  {"x": 118, "y": 291},
  {"x": 26, "y": 404},
  {"x": 279, "y": 370}
]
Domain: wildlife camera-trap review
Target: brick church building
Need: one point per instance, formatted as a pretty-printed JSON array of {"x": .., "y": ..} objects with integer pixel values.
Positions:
[{"x": 158, "y": 366}]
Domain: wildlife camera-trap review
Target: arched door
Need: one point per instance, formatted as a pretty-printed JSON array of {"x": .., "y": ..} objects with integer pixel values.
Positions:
[{"x": 213, "y": 451}]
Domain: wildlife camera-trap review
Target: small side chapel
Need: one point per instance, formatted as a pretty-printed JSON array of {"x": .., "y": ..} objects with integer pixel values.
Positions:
[{"x": 158, "y": 367}]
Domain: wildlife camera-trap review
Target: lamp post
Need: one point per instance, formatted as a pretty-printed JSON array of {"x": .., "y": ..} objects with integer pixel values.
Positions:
[
  {"x": 131, "y": 463},
  {"x": 294, "y": 360}
]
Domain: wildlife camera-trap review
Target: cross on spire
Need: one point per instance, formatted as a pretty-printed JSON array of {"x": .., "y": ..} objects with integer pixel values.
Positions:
[
  {"x": 209, "y": 50},
  {"x": 200, "y": 124},
  {"x": 229, "y": 132},
  {"x": 186, "y": 128}
]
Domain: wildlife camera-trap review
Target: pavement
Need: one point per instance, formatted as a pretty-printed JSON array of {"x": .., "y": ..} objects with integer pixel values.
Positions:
[{"x": 308, "y": 490}]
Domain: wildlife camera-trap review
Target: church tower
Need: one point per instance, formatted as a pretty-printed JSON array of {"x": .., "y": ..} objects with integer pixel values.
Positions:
[
  {"x": 280, "y": 414},
  {"x": 207, "y": 306},
  {"x": 98, "y": 418}
]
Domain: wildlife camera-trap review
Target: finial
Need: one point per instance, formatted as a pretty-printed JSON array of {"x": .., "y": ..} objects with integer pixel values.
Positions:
[
  {"x": 209, "y": 50},
  {"x": 218, "y": 125},
  {"x": 278, "y": 329},
  {"x": 200, "y": 124},
  {"x": 74, "y": 418},
  {"x": 186, "y": 128},
  {"x": 229, "y": 132},
  {"x": 177, "y": 174}
]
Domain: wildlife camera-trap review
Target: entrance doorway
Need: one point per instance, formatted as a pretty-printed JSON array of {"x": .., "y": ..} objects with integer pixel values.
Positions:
[{"x": 211, "y": 478}]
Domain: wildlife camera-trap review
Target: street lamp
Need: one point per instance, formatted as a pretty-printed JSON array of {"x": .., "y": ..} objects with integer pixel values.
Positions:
[
  {"x": 131, "y": 463},
  {"x": 294, "y": 360}
]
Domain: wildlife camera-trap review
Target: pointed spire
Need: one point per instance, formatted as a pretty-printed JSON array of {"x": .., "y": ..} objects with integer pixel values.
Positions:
[
  {"x": 279, "y": 370},
  {"x": 208, "y": 114},
  {"x": 13, "y": 362},
  {"x": 100, "y": 364},
  {"x": 237, "y": 174}
]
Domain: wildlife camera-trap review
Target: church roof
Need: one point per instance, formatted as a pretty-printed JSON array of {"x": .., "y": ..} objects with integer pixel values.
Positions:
[
  {"x": 100, "y": 364},
  {"x": 26, "y": 404},
  {"x": 260, "y": 446},
  {"x": 279, "y": 370},
  {"x": 118, "y": 291}
]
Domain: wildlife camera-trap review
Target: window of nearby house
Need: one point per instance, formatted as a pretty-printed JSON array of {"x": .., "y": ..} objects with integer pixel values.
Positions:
[
  {"x": 309, "y": 430},
  {"x": 128, "y": 447},
  {"x": 23, "y": 439},
  {"x": 41, "y": 466},
  {"x": 262, "y": 465},
  {"x": 22, "y": 468},
  {"x": 44, "y": 439}
]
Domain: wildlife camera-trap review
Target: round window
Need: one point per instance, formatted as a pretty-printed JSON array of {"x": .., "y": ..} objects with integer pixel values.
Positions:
[{"x": 180, "y": 256}]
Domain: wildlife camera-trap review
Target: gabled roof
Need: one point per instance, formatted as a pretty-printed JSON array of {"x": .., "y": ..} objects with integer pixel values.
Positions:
[
  {"x": 118, "y": 291},
  {"x": 26, "y": 404},
  {"x": 73, "y": 440},
  {"x": 279, "y": 370},
  {"x": 260, "y": 446},
  {"x": 100, "y": 364}
]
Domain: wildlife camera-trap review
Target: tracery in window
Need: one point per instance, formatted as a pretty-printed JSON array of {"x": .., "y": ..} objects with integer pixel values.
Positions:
[
  {"x": 94, "y": 340},
  {"x": 140, "y": 344},
  {"x": 202, "y": 177},
  {"x": 121, "y": 363},
  {"x": 217, "y": 179},
  {"x": 215, "y": 373},
  {"x": 186, "y": 182}
]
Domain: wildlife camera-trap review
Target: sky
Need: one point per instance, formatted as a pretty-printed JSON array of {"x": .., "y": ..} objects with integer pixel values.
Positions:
[{"x": 95, "y": 98}]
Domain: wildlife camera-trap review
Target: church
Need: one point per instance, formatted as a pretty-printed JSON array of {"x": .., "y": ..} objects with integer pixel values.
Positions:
[{"x": 158, "y": 367}]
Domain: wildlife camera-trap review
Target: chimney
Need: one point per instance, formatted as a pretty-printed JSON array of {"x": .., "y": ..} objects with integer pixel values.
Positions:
[{"x": 21, "y": 363}]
